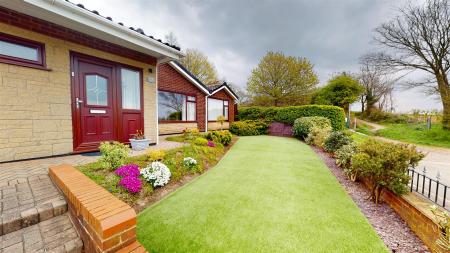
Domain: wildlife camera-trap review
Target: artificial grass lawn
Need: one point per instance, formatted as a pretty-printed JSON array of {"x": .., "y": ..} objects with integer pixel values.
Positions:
[
  {"x": 417, "y": 134},
  {"x": 268, "y": 194}
]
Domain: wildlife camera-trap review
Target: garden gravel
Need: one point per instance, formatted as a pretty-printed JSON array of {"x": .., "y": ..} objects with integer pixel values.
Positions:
[{"x": 395, "y": 233}]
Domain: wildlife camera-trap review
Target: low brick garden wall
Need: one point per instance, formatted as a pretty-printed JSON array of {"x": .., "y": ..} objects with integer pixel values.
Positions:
[
  {"x": 415, "y": 211},
  {"x": 105, "y": 223}
]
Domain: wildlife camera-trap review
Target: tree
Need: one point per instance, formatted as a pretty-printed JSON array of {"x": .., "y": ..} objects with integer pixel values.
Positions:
[
  {"x": 282, "y": 80},
  {"x": 341, "y": 91},
  {"x": 378, "y": 85},
  {"x": 198, "y": 64},
  {"x": 171, "y": 39},
  {"x": 419, "y": 39}
]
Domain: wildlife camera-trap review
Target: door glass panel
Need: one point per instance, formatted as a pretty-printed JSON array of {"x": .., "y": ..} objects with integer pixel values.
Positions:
[
  {"x": 96, "y": 90},
  {"x": 131, "y": 91}
]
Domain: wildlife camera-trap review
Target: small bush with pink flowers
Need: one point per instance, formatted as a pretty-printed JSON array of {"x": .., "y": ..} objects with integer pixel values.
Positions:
[
  {"x": 131, "y": 184},
  {"x": 211, "y": 144},
  {"x": 129, "y": 178}
]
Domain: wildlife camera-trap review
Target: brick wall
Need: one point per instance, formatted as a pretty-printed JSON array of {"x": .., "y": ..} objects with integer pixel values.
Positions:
[
  {"x": 415, "y": 211},
  {"x": 170, "y": 80},
  {"x": 35, "y": 105},
  {"x": 105, "y": 223}
]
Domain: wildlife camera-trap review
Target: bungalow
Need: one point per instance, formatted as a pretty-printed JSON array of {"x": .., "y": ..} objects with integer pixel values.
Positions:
[
  {"x": 71, "y": 78},
  {"x": 184, "y": 102}
]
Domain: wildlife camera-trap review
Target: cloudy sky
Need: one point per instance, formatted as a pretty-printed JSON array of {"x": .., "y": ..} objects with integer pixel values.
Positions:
[{"x": 235, "y": 34}]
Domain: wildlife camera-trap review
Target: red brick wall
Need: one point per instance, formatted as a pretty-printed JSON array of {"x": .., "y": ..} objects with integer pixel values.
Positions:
[
  {"x": 225, "y": 96},
  {"x": 44, "y": 27},
  {"x": 170, "y": 80}
]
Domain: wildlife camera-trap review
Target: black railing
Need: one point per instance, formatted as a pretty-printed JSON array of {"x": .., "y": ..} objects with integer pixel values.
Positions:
[{"x": 428, "y": 187}]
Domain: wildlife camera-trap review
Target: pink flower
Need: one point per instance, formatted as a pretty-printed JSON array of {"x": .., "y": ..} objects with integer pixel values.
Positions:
[
  {"x": 211, "y": 144},
  {"x": 128, "y": 170},
  {"x": 132, "y": 184}
]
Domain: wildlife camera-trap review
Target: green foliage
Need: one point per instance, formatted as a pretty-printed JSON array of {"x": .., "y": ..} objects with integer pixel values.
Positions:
[
  {"x": 249, "y": 127},
  {"x": 282, "y": 80},
  {"x": 190, "y": 133},
  {"x": 289, "y": 114},
  {"x": 384, "y": 165},
  {"x": 114, "y": 154},
  {"x": 340, "y": 91},
  {"x": 200, "y": 141},
  {"x": 223, "y": 137},
  {"x": 317, "y": 136},
  {"x": 336, "y": 140},
  {"x": 198, "y": 64},
  {"x": 377, "y": 115},
  {"x": 302, "y": 126},
  {"x": 156, "y": 155},
  {"x": 344, "y": 157}
]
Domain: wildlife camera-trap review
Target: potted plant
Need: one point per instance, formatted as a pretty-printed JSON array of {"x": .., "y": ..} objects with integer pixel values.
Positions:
[{"x": 139, "y": 142}]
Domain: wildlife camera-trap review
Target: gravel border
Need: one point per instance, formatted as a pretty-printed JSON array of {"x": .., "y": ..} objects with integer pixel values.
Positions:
[{"x": 395, "y": 233}]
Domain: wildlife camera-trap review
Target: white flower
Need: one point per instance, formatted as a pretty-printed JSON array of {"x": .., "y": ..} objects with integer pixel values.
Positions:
[
  {"x": 156, "y": 173},
  {"x": 189, "y": 162}
]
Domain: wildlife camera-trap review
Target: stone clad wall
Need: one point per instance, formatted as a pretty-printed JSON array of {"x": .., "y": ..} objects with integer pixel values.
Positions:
[{"x": 35, "y": 105}]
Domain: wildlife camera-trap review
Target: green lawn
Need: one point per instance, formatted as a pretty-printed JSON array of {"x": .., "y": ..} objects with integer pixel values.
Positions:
[
  {"x": 417, "y": 134},
  {"x": 268, "y": 194}
]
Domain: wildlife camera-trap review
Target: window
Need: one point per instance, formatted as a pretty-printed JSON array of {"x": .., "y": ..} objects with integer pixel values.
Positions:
[
  {"x": 96, "y": 90},
  {"x": 14, "y": 50},
  {"x": 176, "y": 107},
  {"x": 131, "y": 89},
  {"x": 216, "y": 108}
]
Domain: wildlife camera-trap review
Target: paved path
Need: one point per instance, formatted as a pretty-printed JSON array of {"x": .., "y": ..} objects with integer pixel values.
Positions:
[
  {"x": 437, "y": 159},
  {"x": 33, "y": 214}
]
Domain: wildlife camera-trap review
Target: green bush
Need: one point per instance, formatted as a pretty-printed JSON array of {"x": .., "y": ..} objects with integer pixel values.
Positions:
[
  {"x": 317, "y": 136},
  {"x": 114, "y": 154},
  {"x": 200, "y": 141},
  {"x": 289, "y": 114},
  {"x": 336, "y": 140},
  {"x": 302, "y": 126},
  {"x": 385, "y": 165},
  {"x": 344, "y": 157},
  {"x": 222, "y": 136},
  {"x": 249, "y": 127},
  {"x": 377, "y": 115}
]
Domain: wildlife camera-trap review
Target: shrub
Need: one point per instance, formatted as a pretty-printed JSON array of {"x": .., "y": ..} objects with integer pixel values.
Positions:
[
  {"x": 385, "y": 165},
  {"x": 223, "y": 137},
  {"x": 289, "y": 114},
  {"x": 336, "y": 140},
  {"x": 302, "y": 126},
  {"x": 156, "y": 173},
  {"x": 344, "y": 159},
  {"x": 190, "y": 163},
  {"x": 249, "y": 127},
  {"x": 200, "y": 141},
  {"x": 114, "y": 154},
  {"x": 131, "y": 184},
  {"x": 131, "y": 170},
  {"x": 317, "y": 136},
  {"x": 191, "y": 133},
  {"x": 156, "y": 155},
  {"x": 443, "y": 220}
]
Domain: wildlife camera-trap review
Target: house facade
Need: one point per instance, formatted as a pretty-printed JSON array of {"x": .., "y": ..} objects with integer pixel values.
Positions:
[
  {"x": 70, "y": 78},
  {"x": 184, "y": 102}
]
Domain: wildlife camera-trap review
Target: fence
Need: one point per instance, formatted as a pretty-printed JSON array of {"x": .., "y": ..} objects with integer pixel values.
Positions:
[{"x": 428, "y": 187}]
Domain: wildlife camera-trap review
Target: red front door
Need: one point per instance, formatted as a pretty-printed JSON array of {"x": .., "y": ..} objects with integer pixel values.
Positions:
[{"x": 93, "y": 95}]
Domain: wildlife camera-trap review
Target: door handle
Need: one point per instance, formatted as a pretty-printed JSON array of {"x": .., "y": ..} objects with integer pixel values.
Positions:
[{"x": 78, "y": 102}]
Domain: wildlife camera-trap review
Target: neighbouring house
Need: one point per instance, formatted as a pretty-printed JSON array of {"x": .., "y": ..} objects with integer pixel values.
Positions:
[
  {"x": 184, "y": 102},
  {"x": 71, "y": 78}
]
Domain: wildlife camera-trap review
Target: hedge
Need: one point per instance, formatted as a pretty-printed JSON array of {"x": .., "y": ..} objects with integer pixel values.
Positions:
[
  {"x": 249, "y": 127},
  {"x": 289, "y": 114}
]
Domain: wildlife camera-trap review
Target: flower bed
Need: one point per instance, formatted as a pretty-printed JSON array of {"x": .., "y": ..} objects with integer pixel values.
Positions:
[{"x": 144, "y": 179}]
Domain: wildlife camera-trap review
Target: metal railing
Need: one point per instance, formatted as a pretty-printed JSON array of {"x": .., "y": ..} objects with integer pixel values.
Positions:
[{"x": 429, "y": 187}]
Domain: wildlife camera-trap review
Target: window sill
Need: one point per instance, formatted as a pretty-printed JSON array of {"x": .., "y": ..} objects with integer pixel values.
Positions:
[{"x": 175, "y": 121}]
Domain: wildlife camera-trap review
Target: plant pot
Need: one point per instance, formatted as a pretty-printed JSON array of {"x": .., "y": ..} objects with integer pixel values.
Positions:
[{"x": 137, "y": 145}]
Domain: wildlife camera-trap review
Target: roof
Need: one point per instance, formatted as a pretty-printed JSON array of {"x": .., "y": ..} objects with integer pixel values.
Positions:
[
  {"x": 191, "y": 77},
  {"x": 224, "y": 86},
  {"x": 78, "y": 18}
]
